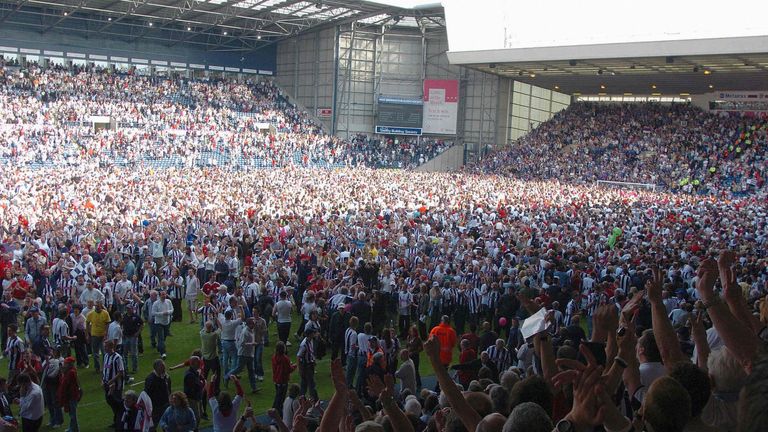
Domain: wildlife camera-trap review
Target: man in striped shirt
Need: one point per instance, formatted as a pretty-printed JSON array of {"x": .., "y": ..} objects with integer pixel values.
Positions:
[
  {"x": 67, "y": 285},
  {"x": 149, "y": 281},
  {"x": 500, "y": 355},
  {"x": 624, "y": 281},
  {"x": 209, "y": 311},
  {"x": 175, "y": 287},
  {"x": 14, "y": 349},
  {"x": 572, "y": 308},
  {"x": 176, "y": 255},
  {"x": 112, "y": 378},
  {"x": 473, "y": 304},
  {"x": 306, "y": 357},
  {"x": 350, "y": 349},
  {"x": 460, "y": 314}
]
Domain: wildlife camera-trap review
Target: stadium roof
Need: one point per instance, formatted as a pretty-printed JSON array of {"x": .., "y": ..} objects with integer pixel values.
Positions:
[
  {"x": 641, "y": 75},
  {"x": 209, "y": 24}
]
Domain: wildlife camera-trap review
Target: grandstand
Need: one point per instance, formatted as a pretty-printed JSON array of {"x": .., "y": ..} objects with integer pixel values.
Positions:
[{"x": 500, "y": 180}]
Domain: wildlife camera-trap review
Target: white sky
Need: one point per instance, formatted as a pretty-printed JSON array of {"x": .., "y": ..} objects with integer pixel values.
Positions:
[
  {"x": 407, "y": 4},
  {"x": 495, "y": 24}
]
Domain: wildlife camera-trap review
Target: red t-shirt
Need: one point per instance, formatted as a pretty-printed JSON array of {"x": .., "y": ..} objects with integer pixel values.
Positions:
[
  {"x": 210, "y": 288},
  {"x": 281, "y": 369},
  {"x": 467, "y": 356},
  {"x": 472, "y": 338},
  {"x": 19, "y": 289}
]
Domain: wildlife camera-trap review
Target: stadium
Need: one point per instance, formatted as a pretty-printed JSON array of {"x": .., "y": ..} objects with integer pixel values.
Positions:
[{"x": 383, "y": 215}]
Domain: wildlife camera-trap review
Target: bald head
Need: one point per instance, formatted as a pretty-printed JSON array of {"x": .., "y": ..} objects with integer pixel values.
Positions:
[{"x": 491, "y": 423}]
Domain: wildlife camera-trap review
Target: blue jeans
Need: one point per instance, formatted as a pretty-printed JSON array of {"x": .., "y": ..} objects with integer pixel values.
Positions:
[
  {"x": 228, "y": 357},
  {"x": 73, "y": 426},
  {"x": 97, "y": 349},
  {"x": 258, "y": 366},
  {"x": 361, "y": 361},
  {"x": 308, "y": 385},
  {"x": 55, "y": 415},
  {"x": 351, "y": 369},
  {"x": 153, "y": 334},
  {"x": 160, "y": 333},
  {"x": 246, "y": 362},
  {"x": 131, "y": 350}
]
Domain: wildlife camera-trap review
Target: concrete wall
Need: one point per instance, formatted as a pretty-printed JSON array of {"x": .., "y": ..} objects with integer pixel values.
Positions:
[
  {"x": 370, "y": 64},
  {"x": 305, "y": 69},
  {"x": 529, "y": 106},
  {"x": 449, "y": 160},
  {"x": 356, "y": 82}
]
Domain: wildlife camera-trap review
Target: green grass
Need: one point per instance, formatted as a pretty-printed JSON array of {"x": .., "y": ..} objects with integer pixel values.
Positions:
[{"x": 95, "y": 415}]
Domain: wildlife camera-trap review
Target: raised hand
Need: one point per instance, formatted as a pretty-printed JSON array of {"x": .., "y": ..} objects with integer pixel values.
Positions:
[
  {"x": 375, "y": 386},
  {"x": 299, "y": 423},
  {"x": 632, "y": 306},
  {"x": 654, "y": 286},
  {"x": 347, "y": 424},
  {"x": 389, "y": 389},
  {"x": 432, "y": 348},
  {"x": 627, "y": 339},
  {"x": 337, "y": 375},
  {"x": 606, "y": 318},
  {"x": 725, "y": 263},
  {"x": 440, "y": 419},
  {"x": 708, "y": 274},
  {"x": 304, "y": 405},
  {"x": 586, "y": 410}
]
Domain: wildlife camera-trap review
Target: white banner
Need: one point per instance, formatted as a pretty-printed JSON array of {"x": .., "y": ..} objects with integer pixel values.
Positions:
[{"x": 441, "y": 107}]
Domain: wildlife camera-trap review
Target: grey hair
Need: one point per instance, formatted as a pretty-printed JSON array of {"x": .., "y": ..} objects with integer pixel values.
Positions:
[
  {"x": 528, "y": 417},
  {"x": 728, "y": 374},
  {"x": 509, "y": 379},
  {"x": 130, "y": 394}
]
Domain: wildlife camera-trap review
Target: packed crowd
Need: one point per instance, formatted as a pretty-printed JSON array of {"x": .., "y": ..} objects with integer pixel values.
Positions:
[
  {"x": 677, "y": 146},
  {"x": 46, "y": 118},
  {"x": 395, "y": 152},
  {"x": 539, "y": 300},
  {"x": 515, "y": 287}
]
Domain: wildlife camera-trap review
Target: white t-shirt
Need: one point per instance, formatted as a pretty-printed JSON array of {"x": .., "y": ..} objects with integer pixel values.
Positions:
[
  {"x": 115, "y": 333},
  {"x": 221, "y": 423},
  {"x": 289, "y": 409},
  {"x": 404, "y": 300},
  {"x": 193, "y": 287},
  {"x": 229, "y": 329},
  {"x": 649, "y": 372},
  {"x": 307, "y": 308},
  {"x": 283, "y": 309}
]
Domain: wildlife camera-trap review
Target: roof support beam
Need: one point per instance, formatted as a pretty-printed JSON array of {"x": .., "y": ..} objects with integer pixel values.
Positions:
[
  {"x": 136, "y": 4},
  {"x": 16, "y": 9},
  {"x": 64, "y": 16},
  {"x": 187, "y": 6}
]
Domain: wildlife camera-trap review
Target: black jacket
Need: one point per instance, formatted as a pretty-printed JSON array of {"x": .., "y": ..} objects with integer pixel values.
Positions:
[
  {"x": 193, "y": 385},
  {"x": 158, "y": 389}
]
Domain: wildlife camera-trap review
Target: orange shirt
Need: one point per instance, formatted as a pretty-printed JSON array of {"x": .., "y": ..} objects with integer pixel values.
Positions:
[{"x": 447, "y": 337}]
